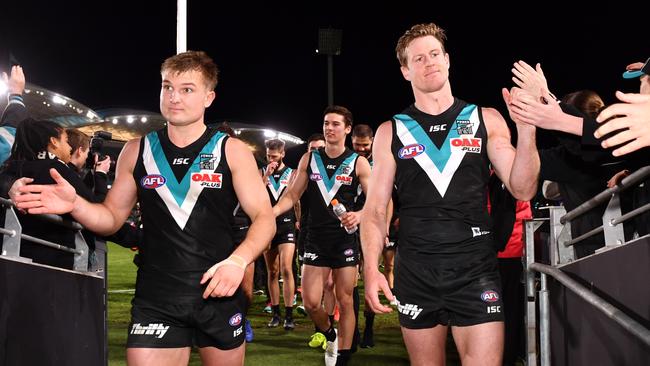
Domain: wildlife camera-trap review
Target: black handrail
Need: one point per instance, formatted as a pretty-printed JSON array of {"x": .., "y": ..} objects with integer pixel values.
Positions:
[
  {"x": 629, "y": 324},
  {"x": 605, "y": 195}
]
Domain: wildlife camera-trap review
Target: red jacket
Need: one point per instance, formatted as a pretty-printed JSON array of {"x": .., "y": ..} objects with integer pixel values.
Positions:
[{"x": 515, "y": 246}]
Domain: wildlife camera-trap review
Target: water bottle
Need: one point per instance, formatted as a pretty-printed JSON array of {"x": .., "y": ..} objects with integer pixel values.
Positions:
[{"x": 339, "y": 210}]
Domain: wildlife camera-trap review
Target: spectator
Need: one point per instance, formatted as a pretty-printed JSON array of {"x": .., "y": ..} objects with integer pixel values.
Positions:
[{"x": 39, "y": 146}]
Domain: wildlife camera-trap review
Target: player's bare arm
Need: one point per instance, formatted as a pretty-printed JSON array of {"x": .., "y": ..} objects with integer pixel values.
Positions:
[
  {"x": 517, "y": 167},
  {"x": 374, "y": 218}
]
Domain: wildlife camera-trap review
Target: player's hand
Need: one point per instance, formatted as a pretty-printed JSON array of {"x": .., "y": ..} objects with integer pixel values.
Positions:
[
  {"x": 374, "y": 282},
  {"x": 55, "y": 198},
  {"x": 225, "y": 278},
  {"x": 270, "y": 168},
  {"x": 350, "y": 219}
]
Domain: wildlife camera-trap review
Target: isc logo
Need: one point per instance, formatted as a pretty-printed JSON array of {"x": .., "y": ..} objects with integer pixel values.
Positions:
[
  {"x": 181, "y": 161},
  {"x": 490, "y": 296},
  {"x": 494, "y": 309},
  {"x": 152, "y": 181},
  {"x": 410, "y": 151},
  {"x": 437, "y": 128}
]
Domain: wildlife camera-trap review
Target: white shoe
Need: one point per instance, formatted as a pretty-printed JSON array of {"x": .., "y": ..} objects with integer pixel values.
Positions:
[{"x": 332, "y": 351}]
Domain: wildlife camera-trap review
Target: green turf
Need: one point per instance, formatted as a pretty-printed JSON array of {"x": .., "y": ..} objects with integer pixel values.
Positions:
[{"x": 270, "y": 346}]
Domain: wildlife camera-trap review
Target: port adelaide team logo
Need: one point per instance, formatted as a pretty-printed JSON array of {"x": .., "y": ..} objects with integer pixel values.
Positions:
[{"x": 206, "y": 162}]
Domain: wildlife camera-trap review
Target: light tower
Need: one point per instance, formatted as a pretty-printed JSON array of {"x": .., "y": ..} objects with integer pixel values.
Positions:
[{"x": 329, "y": 44}]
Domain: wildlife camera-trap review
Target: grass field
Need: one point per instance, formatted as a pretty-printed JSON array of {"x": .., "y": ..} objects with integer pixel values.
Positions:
[{"x": 270, "y": 347}]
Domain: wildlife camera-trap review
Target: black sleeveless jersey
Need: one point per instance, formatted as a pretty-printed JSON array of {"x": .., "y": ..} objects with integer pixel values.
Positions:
[
  {"x": 275, "y": 186},
  {"x": 442, "y": 171},
  {"x": 330, "y": 178},
  {"x": 187, "y": 200}
]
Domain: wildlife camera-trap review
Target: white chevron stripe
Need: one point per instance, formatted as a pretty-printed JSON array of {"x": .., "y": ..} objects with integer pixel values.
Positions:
[
  {"x": 180, "y": 213},
  {"x": 328, "y": 196},
  {"x": 440, "y": 180}
]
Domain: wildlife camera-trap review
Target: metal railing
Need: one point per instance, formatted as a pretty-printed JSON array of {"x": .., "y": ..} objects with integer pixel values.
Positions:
[
  {"x": 561, "y": 252},
  {"x": 12, "y": 235}
]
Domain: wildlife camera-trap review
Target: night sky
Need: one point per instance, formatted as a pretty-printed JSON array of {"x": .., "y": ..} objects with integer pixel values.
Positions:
[{"x": 108, "y": 54}]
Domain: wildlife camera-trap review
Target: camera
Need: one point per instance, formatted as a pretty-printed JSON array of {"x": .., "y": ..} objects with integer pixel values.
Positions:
[{"x": 99, "y": 146}]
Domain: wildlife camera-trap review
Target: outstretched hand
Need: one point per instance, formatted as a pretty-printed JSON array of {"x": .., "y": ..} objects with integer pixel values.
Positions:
[
  {"x": 16, "y": 81},
  {"x": 632, "y": 118},
  {"x": 524, "y": 107},
  {"x": 58, "y": 198},
  {"x": 530, "y": 80}
]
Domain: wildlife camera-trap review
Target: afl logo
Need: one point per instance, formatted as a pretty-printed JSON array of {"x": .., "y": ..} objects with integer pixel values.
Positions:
[
  {"x": 410, "y": 151},
  {"x": 235, "y": 320},
  {"x": 348, "y": 252},
  {"x": 152, "y": 181},
  {"x": 490, "y": 296},
  {"x": 315, "y": 177}
]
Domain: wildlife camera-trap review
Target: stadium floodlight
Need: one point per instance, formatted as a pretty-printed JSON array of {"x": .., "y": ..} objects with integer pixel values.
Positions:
[{"x": 329, "y": 44}]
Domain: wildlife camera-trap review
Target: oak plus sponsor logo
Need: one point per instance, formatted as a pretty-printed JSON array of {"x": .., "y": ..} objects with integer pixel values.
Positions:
[
  {"x": 410, "y": 151},
  {"x": 315, "y": 177},
  {"x": 207, "y": 180},
  {"x": 412, "y": 310},
  {"x": 152, "y": 181},
  {"x": 157, "y": 330},
  {"x": 344, "y": 179},
  {"x": 471, "y": 145}
]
